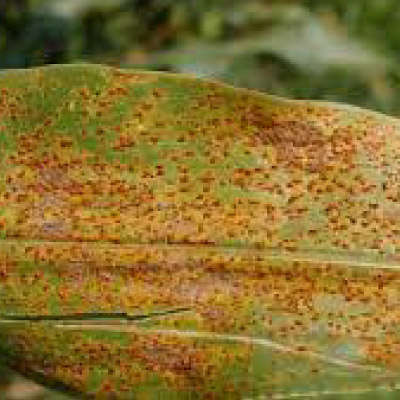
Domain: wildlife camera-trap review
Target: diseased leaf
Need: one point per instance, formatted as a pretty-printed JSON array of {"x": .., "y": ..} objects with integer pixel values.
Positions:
[{"x": 168, "y": 236}]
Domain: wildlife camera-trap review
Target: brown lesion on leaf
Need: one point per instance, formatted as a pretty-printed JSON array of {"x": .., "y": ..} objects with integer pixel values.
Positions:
[
  {"x": 46, "y": 219},
  {"x": 12, "y": 105},
  {"x": 124, "y": 77}
]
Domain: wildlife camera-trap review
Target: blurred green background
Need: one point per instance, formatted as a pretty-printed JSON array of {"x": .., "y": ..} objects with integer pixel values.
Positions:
[{"x": 336, "y": 50}]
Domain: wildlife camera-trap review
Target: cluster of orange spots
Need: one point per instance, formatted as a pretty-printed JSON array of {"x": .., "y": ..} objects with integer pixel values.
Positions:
[
  {"x": 10, "y": 106},
  {"x": 207, "y": 282},
  {"x": 122, "y": 364},
  {"x": 204, "y": 187},
  {"x": 293, "y": 302},
  {"x": 384, "y": 352},
  {"x": 155, "y": 161}
]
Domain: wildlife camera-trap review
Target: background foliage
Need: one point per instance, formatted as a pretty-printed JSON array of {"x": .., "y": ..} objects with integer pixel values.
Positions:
[{"x": 335, "y": 50}]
